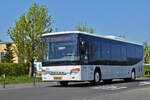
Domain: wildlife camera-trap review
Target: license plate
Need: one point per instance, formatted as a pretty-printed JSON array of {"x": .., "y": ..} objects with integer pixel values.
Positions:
[{"x": 57, "y": 78}]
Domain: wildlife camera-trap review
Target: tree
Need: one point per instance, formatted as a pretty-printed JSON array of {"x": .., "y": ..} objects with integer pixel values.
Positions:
[
  {"x": 84, "y": 28},
  {"x": 27, "y": 33},
  {"x": 146, "y": 52},
  {"x": 8, "y": 57}
]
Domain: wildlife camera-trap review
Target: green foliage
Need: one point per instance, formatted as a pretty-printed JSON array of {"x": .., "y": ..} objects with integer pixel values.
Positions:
[
  {"x": 13, "y": 69},
  {"x": 147, "y": 67},
  {"x": 28, "y": 30},
  {"x": 146, "y": 52},
  {"x": 147, "y": 70},
  {"x": 84, "y": 28},
  {"x": 145, "y": 76},
  {"x": 8, "y": 53}
]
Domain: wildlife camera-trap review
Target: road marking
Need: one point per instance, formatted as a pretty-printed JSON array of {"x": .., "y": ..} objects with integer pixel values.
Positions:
[
  {"x": 144, "y": 83},
  {"x": 109, "y": 87}
]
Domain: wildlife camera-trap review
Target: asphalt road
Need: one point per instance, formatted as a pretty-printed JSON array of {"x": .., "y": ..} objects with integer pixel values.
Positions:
[{"x": 117, "y": 90}]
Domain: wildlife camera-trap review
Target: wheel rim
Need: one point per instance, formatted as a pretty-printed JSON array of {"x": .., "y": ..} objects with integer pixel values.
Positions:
[
  {"x": 97, "y": 77},
  {"x": 133, "y": 75}
]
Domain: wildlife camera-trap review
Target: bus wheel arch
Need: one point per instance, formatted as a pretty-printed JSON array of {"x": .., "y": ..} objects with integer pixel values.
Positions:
[
  {"x": 97, "y": 71},
  {"x": 132, "y": 77}
]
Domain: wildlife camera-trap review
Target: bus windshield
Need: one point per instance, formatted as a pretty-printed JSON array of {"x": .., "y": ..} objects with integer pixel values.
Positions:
[
  {"x": 60, "y": 51},
  {"x": 55, "y": 52}
]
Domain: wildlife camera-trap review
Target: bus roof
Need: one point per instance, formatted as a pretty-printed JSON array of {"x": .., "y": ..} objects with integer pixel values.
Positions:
[{"x": 101, "y": 36}]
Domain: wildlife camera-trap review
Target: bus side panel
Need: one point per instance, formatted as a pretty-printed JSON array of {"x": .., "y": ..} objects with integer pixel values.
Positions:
[
  {"x": 87, "y": 72},
  {"x": 111, "y": 71},
  {"x": 122, "y": 71},
  {"x": 140, "y": 69},
  {"x": 107, "y": 72}
]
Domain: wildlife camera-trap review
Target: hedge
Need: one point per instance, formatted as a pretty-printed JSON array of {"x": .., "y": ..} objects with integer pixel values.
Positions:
[
  {"x": 147, "y": 70},
  {"x": 14, "y": 69},
  {"x": 147, "y": 66}
]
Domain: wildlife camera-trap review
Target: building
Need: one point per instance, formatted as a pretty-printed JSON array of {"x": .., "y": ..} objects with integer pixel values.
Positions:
[{"x": 2, "y": 53}]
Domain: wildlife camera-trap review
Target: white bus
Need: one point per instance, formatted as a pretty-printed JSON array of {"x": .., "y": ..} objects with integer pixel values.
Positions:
[{"x": 80, "y": 56}]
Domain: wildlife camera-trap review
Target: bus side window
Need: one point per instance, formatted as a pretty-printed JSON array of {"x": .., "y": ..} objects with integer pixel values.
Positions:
[{"x": 84, "y": 54}]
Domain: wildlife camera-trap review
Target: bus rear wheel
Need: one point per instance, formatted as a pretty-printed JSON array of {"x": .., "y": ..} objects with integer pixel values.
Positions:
[{"x": 133, "y": 77}]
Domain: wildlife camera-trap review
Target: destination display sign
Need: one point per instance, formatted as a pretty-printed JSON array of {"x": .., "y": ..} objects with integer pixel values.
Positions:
[{"x": 56, "y": 39}]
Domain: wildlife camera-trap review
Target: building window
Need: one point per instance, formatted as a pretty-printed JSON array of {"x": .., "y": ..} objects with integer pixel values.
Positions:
[{"x": 2, "y": 56}]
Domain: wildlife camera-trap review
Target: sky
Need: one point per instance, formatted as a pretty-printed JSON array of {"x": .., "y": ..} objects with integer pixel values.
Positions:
[{"x": 130, "y": 18}]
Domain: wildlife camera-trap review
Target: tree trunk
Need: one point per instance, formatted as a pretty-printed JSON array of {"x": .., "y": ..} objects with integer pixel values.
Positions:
[{"x": 31, "y": 69}]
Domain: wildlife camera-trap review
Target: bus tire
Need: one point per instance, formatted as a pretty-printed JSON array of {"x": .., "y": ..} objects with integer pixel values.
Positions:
[
  {"x": 63, "y": 83},
  {"x": 133, "y": 76},
  {"x": 97, "y": 77}
]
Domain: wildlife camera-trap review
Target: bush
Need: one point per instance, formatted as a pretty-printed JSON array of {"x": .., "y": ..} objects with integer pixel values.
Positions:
[
  {"x": 14, "y": 69},
  {"x": 147, "y": 67},
  {"x": 147, "y": 70}
]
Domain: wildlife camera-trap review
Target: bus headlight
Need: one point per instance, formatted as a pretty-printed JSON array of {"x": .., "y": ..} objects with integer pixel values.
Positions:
[{"x": 75, "y": 70}]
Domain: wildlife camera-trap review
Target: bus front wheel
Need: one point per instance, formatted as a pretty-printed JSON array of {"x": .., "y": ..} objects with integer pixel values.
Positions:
[{"x": 97, "y": 77}]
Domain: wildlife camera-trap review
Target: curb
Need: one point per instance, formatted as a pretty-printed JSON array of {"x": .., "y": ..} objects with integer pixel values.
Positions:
[{"x": 27, "y": 85}]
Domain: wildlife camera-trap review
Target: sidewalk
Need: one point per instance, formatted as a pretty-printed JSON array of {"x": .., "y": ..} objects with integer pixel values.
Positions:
[{"x": 27, "y": 85}]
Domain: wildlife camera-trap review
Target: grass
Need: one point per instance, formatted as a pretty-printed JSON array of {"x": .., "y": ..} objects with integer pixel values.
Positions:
[
  {"x": 145, "y": 76},
  {"x": 18, "y": 79}
]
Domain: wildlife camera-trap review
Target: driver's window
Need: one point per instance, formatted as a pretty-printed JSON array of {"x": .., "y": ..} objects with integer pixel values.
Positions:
[{"x": 84, "y": 52}]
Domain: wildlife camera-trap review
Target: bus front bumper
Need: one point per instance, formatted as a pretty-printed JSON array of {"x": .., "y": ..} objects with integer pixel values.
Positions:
[{"x": 73, "y": 77}]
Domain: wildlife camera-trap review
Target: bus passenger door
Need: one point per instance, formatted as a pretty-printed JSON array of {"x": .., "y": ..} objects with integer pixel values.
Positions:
[
  {"x": 84, "y": 59},
  {"x": 84, "y": 52}
]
